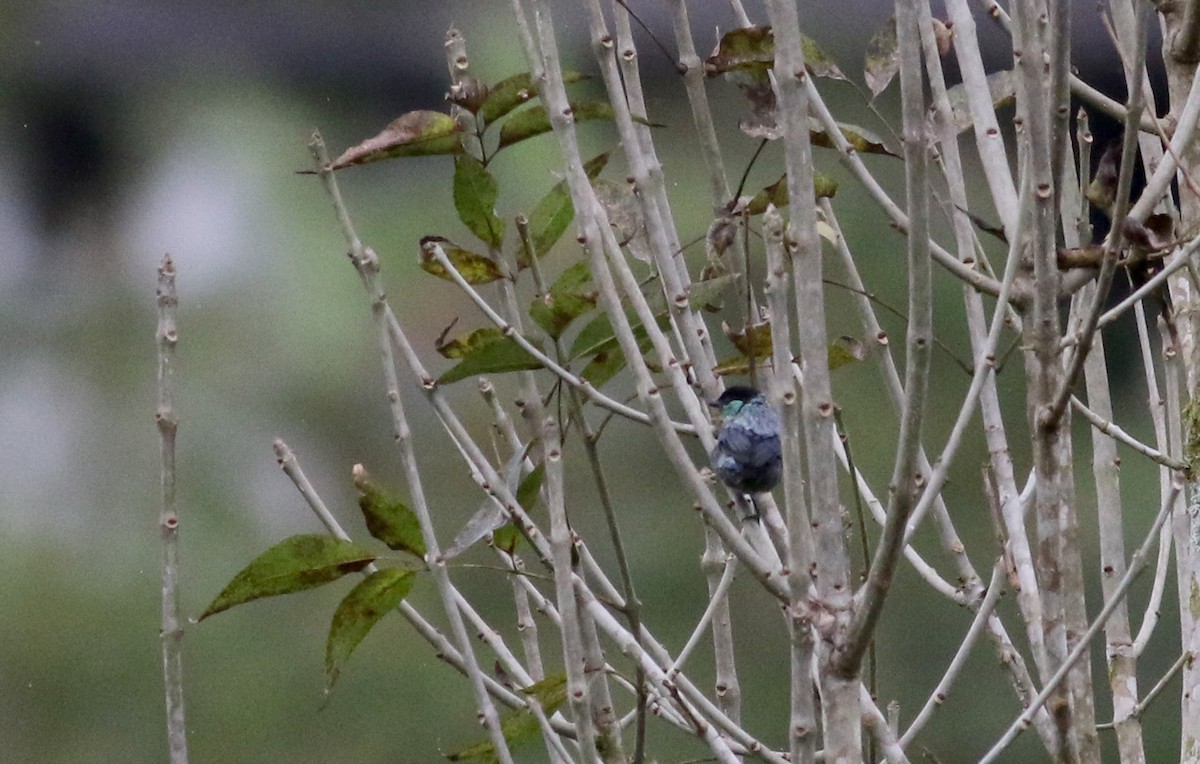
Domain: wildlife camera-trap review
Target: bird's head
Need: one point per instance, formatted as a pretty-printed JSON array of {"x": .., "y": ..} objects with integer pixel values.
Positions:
[{"x": 734, "y": 398}]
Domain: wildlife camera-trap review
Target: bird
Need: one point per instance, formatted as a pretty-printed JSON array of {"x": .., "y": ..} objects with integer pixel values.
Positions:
[{"x": 748, "y": 457}]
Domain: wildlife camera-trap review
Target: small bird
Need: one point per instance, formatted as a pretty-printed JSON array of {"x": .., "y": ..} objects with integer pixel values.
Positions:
[{"x": 748, "y": 457}]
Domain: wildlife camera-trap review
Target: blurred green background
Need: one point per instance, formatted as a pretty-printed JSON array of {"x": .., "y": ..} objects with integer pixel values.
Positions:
[{"x": 129, "y": 130}]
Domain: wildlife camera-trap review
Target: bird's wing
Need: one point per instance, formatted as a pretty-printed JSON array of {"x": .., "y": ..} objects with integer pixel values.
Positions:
[{"x": 751, "y": 446}]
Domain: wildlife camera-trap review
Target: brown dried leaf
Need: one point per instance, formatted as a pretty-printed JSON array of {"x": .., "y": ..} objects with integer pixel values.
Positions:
[{"x": 882, "y": 61}]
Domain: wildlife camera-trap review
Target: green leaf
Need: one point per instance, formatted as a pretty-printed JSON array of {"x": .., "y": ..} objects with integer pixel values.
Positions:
[
  {"x": 417, "y": 133},
  {"x": 461, "y": 346},
  {"x": 555, "y": 312},
  {"x": 703, "y": 293},
  {"x": 507, "y": 537},
  {"x": 493, "y": 358},
  {"x": 598, "y": 335},
  {"x": 511, "y": 92},
  {"x": 374, "y": 597},
  {"x": 604, "y": 366},
  {"x": 531, "y": 484},
  {"x": 566, "y": 300},
  {"x": 475, "y": 192},
  {"x": 534, "y": 121},
  {"x": 609, "y": 361},
  {"x": 595, "y": 337},
  {"x": 519, "y": 725},
  {"x": 292, "y": 565},
  {"x": 554, "y": 212},
  {"x": 506, "y": 95},
  {"x": 390, "y": 520},
  {"x": 475, "y": 269}
]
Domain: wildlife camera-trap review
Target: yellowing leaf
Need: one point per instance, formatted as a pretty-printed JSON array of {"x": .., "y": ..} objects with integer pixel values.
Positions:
[
  {"x": 417, "y": 133},
  {"x": 753, "y": 340},
  {"x": 474, "y": 268},
  {"x": 461, "y": 346},
  {"x": 498, "y": 357},
  {"x": 862, "y": 140}
]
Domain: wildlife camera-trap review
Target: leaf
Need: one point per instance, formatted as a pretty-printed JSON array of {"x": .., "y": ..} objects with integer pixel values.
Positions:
[
  {"x": 752, "y": 50},
  {"x": 1002, "y": 88},
  {"x": 862, "y": 140},
  {"x": 531, "y": 485},
  {"x": 511, "y": 92},
  {"x": 535, "y": 121},
  {"x": 519, "y": 725},
  {"x": 704, "y": 293},
  {"x": 735, "y": 366},
  {"x": 461, "y": 346},
  {"x": 882, "y": 61},
  {"x": 603, "y": 367},
  {"x": 375, "y": 596},
  {"x": 475, "y": 269},
  {"x": 824, "y": 187},
  {"x": 390, "y": 520},
  {"x": 624, "y": 213},
  {"x": 566, "y": 300},
  {"x": 506, "y": 95},
  {"x": 749, "y": 48},
  {"x": 609, "y": 361},
  {"x": 292, "y": 565},
  {"x": 818, "y": 62},
  {"x": 846, "y": 350},
  {"x": 498, "y": 357},
  {"x": 754, "y": 339},
  {"x": 595, "y": 337},
  {"x": 554, "y": 213},
  {"x": 475, "y": 192},
  {"x": 417, "y": 133},
  {"x": 507, "y": 536}
]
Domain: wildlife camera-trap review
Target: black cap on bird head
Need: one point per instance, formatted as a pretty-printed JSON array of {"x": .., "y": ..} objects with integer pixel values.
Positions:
[{"x": 741, "y": 393}]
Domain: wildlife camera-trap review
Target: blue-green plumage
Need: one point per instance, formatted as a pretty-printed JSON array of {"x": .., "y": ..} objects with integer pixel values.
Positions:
[{"x": 748, "y": 457}]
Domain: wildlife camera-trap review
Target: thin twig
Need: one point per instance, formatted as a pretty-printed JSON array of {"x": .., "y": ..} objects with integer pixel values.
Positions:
[
  {"x": 1155, "y": 691},
  {"x": 1110, "y": 428},
  {"x": 171, "y": 636}
]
